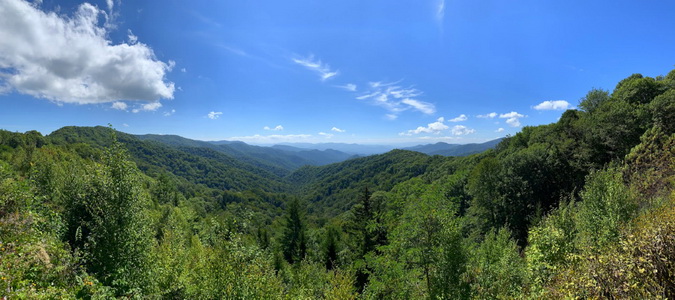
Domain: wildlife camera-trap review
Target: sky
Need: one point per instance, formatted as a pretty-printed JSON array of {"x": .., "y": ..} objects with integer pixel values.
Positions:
[{"x": 354, "y": 71}]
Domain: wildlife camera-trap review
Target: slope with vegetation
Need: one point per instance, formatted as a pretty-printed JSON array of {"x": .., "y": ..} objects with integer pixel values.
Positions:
[{"x": 582, "y": 208}]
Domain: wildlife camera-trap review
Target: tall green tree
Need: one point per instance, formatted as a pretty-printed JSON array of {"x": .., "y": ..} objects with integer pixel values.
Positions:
[
  {"x": 118, "y": 241},
  {"x": 294, "y": 241}
]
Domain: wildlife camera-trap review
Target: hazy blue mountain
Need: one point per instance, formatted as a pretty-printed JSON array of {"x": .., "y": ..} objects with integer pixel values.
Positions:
[
  {"x": 353, "y": 149},
  {"x": 264, "y": 157},
  {"x": 446, "y": 149}
]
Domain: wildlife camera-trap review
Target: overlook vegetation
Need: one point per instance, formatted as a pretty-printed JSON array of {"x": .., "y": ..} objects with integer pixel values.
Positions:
[{"x": 581, "y": 208}]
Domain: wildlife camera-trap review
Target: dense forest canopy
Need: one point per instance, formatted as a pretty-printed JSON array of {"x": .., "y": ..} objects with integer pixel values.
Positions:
[{"x": 584, "y": 207}]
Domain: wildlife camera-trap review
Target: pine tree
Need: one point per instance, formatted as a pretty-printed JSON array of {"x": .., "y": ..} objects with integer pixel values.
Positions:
[{"x": 294, "y": 242}]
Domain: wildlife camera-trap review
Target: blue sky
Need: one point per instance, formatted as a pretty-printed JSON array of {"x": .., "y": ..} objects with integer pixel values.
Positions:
[{"x": 265, "y": 72}]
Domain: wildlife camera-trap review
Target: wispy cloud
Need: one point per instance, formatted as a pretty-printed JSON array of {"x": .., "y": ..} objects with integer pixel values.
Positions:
[
  {"x": 499, "y": 129},
  {"x": 326, "y": 135},
  {"x": 349, "y": 87},
  {"x": 553, "y": 105},
  {"x": 169, "y": 113},
  {"x": 277, "y": 128},
  {"x": 233, "y": 50},
  {"x": 396, "y": 99},
  {"x": 317, "y": 66},
  {"x": 440, "y": 11},
  {"x": 460, "y": 118},
  {"x": 214, "y": 115},
  {"x": 338, "y": 130},
  {"x": 512, "y": 118}
]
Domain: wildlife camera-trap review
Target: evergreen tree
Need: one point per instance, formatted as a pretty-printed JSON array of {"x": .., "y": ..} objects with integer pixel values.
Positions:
[
  {"x": 294, "y": 241},
  {"x": 331, "y": 248}
]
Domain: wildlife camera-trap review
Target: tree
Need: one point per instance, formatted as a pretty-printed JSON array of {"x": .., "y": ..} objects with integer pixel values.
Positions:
[
  {"x": 294, "y": 241},
  {"x": 331, "y": 247},
  {"x": 637, "y": 89},
  {"x": 663, "y": 111},
  {"x": 593, "y": 99},
  {"x": 117, "y": 246}
]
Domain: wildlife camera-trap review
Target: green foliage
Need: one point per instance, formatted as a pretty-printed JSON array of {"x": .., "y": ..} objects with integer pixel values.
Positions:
[
  {"x": 495, "y": 269},
  {"x": 649, "y": 166},
  {"x": 606, "y": 205},
  {"x": 639, "y": 266},
  {"x": 551, "y": 243},
  {"x": 593, "y": 100},
  {"x": 663, "y": 110},
  {"x": 637, "y": 89},
  {"x": 118, "y": 241}
]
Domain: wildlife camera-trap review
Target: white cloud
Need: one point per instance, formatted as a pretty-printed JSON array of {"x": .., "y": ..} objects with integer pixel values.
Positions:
[
  {"x": 461, "y": 118},
  {"x": 349, "y": 87},
  {"x": 491, "y": 115},
  {"x": 169, "y": 113},
  {"x": 214, "y": 115},
  {"x": 338, "y": 130},
  {"x": 152, "y": 106},
  {"x": 183, "y": 70},
  {"x": 499, "y": 129},
  {"x": 435, "y": 128},
  {"x": 71, "y": 59},
  {"x": 512, "y": 114},
  {"x": 327, "y": 135},
  {"x": 119, "y": 105},
  {"x": 461, "y": 130},
  {"x": 512, "y": 118},
  {"x": 391, "y": 117},
  {"x": 553, "y": 105},
  {"x": 277, "y": 128},
  {"x": 317, "y": 66},
  {"x": 125, "y": 124}
]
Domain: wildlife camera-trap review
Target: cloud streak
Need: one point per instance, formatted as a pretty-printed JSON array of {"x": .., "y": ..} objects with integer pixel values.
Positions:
[
  {"x": 396, "y": 99},
  {"x": 71, "y": 60},
  {"x": 317, "y": 66}
]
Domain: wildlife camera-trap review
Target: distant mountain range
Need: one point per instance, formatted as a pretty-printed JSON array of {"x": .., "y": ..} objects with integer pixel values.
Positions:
[
  {"x": 354, "y": 149},
  {"x": 287, "y": 158},
  {"x": 446, "y": 149}
]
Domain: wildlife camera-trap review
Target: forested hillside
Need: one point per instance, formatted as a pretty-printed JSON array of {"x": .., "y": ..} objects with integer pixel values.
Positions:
[{"x": 581, "y": 208}]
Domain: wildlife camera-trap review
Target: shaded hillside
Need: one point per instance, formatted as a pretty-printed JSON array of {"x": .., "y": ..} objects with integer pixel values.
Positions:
[
  {"x": 332, "y": 188},
  {"x": 198, "y": 165}
]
